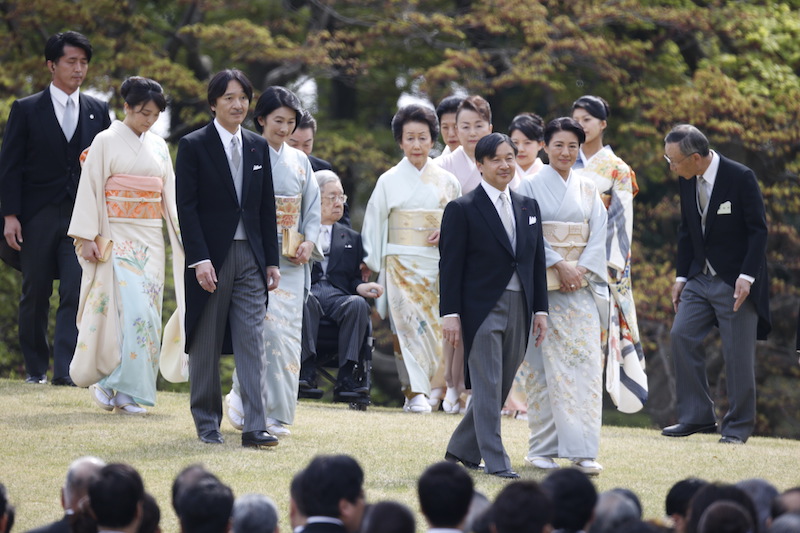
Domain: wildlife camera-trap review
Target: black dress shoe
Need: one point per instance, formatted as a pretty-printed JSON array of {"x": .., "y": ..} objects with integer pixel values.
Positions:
[
  {"x": 347, "y": 389},
  {"x": 684, "y": 430},
  {"x": 64, "y": 382},
  {"x": 212, "y": 437},
  {"x": 505, "y": 474},
  {"x": 730, "y": 440},
  {"x": 39, "y": 380},
  {"x": 258, "y": 439},
  {"x": 467, "y": 464}
]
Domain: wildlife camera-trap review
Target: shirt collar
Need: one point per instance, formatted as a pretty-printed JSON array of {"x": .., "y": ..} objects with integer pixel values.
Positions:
[
  {"x": 226, "y": 136},
  {"x": 494, "y": 193},
  {"x": 324, "y": 520},
  {"x": 61, "y": 97},
  {"x": 710, "y": 175}
]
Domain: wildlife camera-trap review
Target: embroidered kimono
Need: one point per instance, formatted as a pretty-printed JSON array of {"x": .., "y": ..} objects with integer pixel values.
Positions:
[
  {"x": 405, "y": 207},
  {"x": 127, "y": 185},
  {"x": 297, "y": 206},
  {"x": 459, "y": 164},
  {"x": 564, "y": 375},
  {"x": 626, "y": 381}
]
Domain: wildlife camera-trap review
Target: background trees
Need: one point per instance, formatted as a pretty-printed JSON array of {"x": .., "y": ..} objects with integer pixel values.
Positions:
[{"x": 729, "y": 67}]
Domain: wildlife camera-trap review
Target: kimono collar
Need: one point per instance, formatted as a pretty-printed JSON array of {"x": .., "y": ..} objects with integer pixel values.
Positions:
[
  {"x": 276, "y": 153},
  {"x": 411, "y": 168}
]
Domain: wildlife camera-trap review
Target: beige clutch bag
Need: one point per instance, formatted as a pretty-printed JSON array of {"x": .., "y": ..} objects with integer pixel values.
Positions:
[
  {"x": 291, "y": 240},
  {"x": 106, "y": 246},
  {"x": 554, "y": 280}
]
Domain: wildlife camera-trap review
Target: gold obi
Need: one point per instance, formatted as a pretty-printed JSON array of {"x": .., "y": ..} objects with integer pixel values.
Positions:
[
  {"x": 568, "y": 239},
  {"x": 412, "y": 227},
  {"x": 287, "y": 211},
  {"x": 136, "y": 197}
]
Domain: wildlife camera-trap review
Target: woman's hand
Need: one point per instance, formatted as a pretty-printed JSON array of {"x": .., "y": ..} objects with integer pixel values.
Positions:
[
  {"x": 303, "y": 253},
  {"x": 90, "y": 251},
  {"x": 433, "y": 238},
  {"x": 571, "y": 277}
]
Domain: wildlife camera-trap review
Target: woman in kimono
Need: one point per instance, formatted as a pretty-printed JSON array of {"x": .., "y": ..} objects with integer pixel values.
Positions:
[
  {"x": 297, "y": 204},
  {"x": 473, "y": 123},
  {"x": 626, "y": 381},
  {"x": 401, "y": 236},
  {"x": 127, "y": 185},
  {"x": 564, "y": 387}
]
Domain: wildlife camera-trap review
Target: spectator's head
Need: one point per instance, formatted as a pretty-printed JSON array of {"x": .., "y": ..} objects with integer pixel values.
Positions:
[
  {"x": 686, "y": 150},
  {"x": 303, "y": 135},
  {"x": 628, "y": 493},
  {"x": 763, "y": 493},
  {"x": 612, "y": 510},
  {"x": 495, "y": 155},
  {"x": 714, "y": 492},
  {"x": 229, "y": 95},
  {"x": 6, "y": 511},
  {"x": 68, "y": 55},
  {"x": 474, "y": 122},
  {"x": 186, "y": 478},
  {"x": 478, "y": 506},
  {"x": 278, "y": 112},
  {"x": 521, "y": 507},
  {"x": 151, "y": 515},
  {"x": 415, "y": 129},
  {"x": 254, "y": 513},
  {"x": 786, "y": 523},
  {"x": 331, "y": 195},
  {"x": 115, "y": 497},
  {"x": 446, "y": 113},
  {"x": 787, "y": 501},
  {"x": 332, "y": 485},
  {"x": 527, "y": 132},
  {"x": 205, "y": 507},
  {"x": 572, "y": 498},
  {"x": 388, "y": 517},
  {"x": 725, "y": 516},
  {"x": 297, "y": 513},
  {"x": 678, "y": 498},
  {"x": 80, "y": 474},
  {"x": 591, "y": 112},
  {"x": 445, "y": 492}
]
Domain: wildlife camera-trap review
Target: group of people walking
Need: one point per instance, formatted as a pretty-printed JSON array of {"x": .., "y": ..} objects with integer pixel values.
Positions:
[{"x": 559, "y": 312}]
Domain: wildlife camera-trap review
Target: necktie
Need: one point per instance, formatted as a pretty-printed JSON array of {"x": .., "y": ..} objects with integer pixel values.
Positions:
[
  {"x": 507, "y": 217},
  {"x": 236, "y": 156},
  {"x": 702, "y": 192},
  {"x": 70, "y": 121},
  {"x": 325, "y": 241}
]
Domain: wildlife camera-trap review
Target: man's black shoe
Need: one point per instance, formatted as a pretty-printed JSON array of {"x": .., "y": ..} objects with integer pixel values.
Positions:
[
  {"x": 212, "y": 437},
  {"x": 64, "y": 382},
  {"x": 467, "y": 464},
  {"x": 258, "y": 439},
  {"x": 684, "y": 430},
  {"x": 505, "y": 474},
  {"x": 731, "y": 440},
  {"x": 39, "y": 380}
]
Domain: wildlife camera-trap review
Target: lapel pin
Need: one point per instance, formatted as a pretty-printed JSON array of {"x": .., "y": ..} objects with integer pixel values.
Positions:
[{"x": 91, "y": 116}]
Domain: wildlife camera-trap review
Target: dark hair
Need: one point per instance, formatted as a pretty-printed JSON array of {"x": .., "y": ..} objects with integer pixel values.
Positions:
[
  {"x": 478, "y": 105},
  {"x": 786, "y": 523},
  {"x": 448, "y": 105},
  {"x": 572, "y": 496},
  {"x": 680, "y": 495},
  {"x": 388, "y": 517},
  {"x": 612, "y": 510},
  {"x": 307, "y": 121},
  {"x": 530, "y": 125},
  {"x": 54, "y": 48},
  {"x": 138, "y": 91},
  {"x": 327, "y": 480},
  {"x": 594, "y": 105},
  {"x": 274, "y": 98},
  {"x": 487, "y": 146},
  {"x": 151, "y": 515},
  {"x": 714, "y": 492},
  {"x": 725, "y": 516},
  {"x": 185, "y": 479},
  {"x": 6, "y": 509},
  {"x": 414, "y": 113},
  {"x": 296, "y": 492},
  {"x": 205, "y": 506},
  {"x": 219, "y": 84},
  {"x": 563, "y": 124},
  {"x": 763, "y": 493},
  {"x": 628, "y": 493},
  {"x": 690, "y": 140},
  {"x": 254, "y": 513},
  {"x": 115, "y": 495},
  {"x": 521, "y": 507},
  {"x": 445, "y": 493}
]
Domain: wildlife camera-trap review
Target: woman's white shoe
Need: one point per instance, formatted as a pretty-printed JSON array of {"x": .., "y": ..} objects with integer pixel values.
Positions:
[
  {"x": 417, "y": 404},
  {"x": 127, "y": 405},
  {"x": 590, "y": 467},
  {"x": 543, "y": 463},
  {"x": 103, "y": 397}
]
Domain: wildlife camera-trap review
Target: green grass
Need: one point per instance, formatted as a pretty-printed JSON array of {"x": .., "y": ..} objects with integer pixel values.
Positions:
[{"x": 44, "y": 428}]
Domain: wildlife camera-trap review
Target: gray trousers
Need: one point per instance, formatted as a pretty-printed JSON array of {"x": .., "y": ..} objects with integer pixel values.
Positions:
[
  {"x": 497, "y": 351},
  {"x": 240, "y": 298},
  {"x": 704, "y": 299},
  {"x": 349, "y": 311}
]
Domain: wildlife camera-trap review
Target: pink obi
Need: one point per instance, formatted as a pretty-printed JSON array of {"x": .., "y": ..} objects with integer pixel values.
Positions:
[{"x": 129, "y": 196}]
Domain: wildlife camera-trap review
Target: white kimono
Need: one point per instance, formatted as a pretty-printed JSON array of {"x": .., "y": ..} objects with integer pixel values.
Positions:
[
  {"x": 409, "y": 273},
  {"x": 564, "y": 382},
  {"x": 459, "y": 164}
]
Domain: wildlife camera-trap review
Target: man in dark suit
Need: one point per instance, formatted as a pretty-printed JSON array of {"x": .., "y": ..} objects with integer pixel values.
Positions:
[
  {"x": 337, "y": 290},
  {"x": 39, "y": 171},
  {"x": 226, "y": 207},
  {"x": 332, "y": 494},
  {"x": 721, "y": 279},
  {"x": 302, "y": 138},
  {"x": 492, "y": 272}
]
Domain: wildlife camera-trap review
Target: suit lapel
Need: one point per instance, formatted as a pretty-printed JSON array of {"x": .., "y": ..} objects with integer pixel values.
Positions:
[
  {"x": 214, "y": 146},
  {"x": 521, "y": 215},
  {"x": 720, "y": 191},
  {"x": 47, "y": 116},
  {"x": 489, "y": 213},
  {"x": 337, "y": 246},
  {"x": 87, "y": 119},
  {"x": 248, "y": 162}
]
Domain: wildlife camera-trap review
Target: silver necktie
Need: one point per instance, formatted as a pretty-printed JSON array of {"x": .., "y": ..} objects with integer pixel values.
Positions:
[
  {"x": 508, "y": 218},
  {"x": 70, "y": 121},
  {"x": 702, "y": 192},
  {"x": 236, "y": 156}
]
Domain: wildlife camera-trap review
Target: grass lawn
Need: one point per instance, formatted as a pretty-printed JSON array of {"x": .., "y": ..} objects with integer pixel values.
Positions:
[{"x": 44, "y": 428}]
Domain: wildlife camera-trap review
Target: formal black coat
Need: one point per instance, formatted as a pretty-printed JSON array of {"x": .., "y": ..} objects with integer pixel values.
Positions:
[
  {"x": 209, "y": 210},
  {"x": 344, "y": 260},
  {"x": 735, "y": 237},
  {"x": 477, "y": 260}
]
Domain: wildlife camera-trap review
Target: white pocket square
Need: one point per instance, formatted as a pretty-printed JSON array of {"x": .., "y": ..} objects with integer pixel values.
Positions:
[
  {"x": 257, "y": 167},
  {"x": 724, "y": 208},
  {"x": 531, "y": 221},
  {"x": 348, "y": 245}
]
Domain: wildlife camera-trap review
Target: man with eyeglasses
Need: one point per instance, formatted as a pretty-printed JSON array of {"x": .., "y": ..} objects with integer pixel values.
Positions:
[{"x": 721, "y": 280}]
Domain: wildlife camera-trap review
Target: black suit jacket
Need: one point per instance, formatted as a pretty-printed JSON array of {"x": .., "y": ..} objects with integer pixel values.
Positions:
[
  {"x": 209, "y": 210},
  {"x": 62, "y": 526},
  {"x": 344, "y": 260},
  {"x": 34, "y": 169},
  {"x": 477, "y": 260},
  {"x": 319, "y": 164},
  {"x": 323, "y": 527},
  {"x": 734, "y": 243}
]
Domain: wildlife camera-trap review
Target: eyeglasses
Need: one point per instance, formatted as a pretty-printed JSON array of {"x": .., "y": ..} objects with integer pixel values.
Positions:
[
  {"x": 332, "y": 198},
  {"x": 676, "y": 163}
]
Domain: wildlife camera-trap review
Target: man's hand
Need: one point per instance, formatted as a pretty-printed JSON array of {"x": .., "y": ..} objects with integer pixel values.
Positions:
[
  {"x": 741, "y": 290},
  {"x": 90, "y": 251},
  {"x": 571, "y": 277},
  {"x": 451, "y": 330},
  {"x": 539, "y": 328},
  {"x": 677, "y": 289},
  {"x": 303, "y": 253},
  {"x": 273, "y": 277},
  {"x": 206, "y": 276},
  {"x": 365, "y": 272},
  {"x": 370, "y": 290},
  {"x": 12, "y": 231}
]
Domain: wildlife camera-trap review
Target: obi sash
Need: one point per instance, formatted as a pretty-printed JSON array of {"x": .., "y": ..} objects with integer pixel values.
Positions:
[
  {"x": 412, "y": 227},
  {"x": 568, "y": 239},
  {"x": 129, "y": 196},
  {"x": 287, "y": 211}
]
